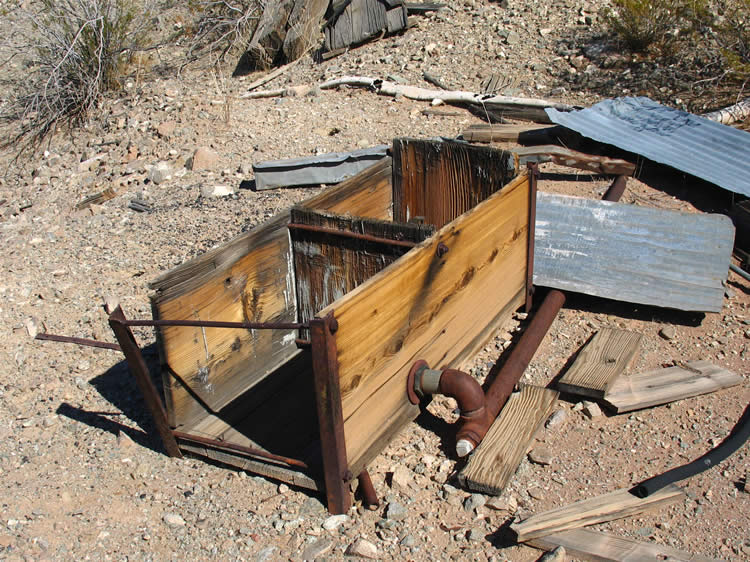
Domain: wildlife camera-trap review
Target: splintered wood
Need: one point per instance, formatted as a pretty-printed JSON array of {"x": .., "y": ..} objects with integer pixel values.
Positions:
[
  {"x": 604, "y": 358},
  {"x": 667, "y": 385},
  {"x": 608, "y": 507},
  {"x": 587, "y": 544},
  {"x": 496, "y": 459}
]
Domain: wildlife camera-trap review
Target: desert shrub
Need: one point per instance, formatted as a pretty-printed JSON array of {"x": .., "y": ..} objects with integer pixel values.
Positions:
[
  {"x": 74, "y": 51},
  {"x": 730, "y": 27},
  {"x": 222, "y": 27},
  {"x": 645, "y": 23}
]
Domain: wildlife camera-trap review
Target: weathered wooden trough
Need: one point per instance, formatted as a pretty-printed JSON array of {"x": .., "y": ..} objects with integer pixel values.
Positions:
[{"x": 286, "y": 352}]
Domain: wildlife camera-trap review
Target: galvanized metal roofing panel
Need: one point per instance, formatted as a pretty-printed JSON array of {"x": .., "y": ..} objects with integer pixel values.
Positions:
[
  {"x": 630, "y": 253},
  {"x": 711, "y": 151}
]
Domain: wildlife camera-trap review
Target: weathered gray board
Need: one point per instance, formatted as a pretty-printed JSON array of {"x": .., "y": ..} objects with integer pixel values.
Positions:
[
  {"x": 633, "y": 254},
  {"x": 361, "y": 20},
  {"x": 326, "y": 168}
]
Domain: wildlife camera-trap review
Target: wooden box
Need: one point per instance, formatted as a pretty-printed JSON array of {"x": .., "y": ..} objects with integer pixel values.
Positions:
[{"x": 421, "y": 256}]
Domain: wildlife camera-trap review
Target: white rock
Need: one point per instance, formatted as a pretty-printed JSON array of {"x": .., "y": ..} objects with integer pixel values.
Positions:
[
  {"x": 363, "y": 549},
  {"x": 173, "y": 520},
  {"x": 160, "y": 172},
  {"x": 208, "y": 191},
  {"x": 334, "y": 522}
]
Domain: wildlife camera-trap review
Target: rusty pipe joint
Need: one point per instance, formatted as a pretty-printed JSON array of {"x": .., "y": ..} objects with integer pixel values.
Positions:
[{"x": 460, "y": 386}]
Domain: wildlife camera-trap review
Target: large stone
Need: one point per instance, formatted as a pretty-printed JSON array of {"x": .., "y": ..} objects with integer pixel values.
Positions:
[
  {"x": 160, "y": 172},
  {"x": 204, "y": 159}
]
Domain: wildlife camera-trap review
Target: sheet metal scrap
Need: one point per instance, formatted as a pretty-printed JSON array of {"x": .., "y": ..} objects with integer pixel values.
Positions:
[{"x": 716, "y": 153}]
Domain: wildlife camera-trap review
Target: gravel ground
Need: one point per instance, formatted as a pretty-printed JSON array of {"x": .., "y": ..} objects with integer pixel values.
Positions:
[{"x": 83, "y": 476}]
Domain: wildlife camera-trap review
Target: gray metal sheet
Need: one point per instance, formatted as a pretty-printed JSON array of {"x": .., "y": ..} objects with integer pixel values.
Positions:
[
  {"x": 633, "y": 254},
  {"x": 328, "y": 168},
  {"x": 711, "y": 151}
]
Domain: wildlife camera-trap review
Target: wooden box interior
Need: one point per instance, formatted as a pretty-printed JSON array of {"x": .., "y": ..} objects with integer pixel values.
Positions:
[{"x": 394, "y": 303}]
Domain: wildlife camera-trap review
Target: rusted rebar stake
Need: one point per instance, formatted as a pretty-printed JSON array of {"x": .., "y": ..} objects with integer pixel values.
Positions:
[{"x": 369, "y": 495}]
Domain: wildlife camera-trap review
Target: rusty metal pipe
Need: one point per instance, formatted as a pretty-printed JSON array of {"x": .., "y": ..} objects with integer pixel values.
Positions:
[
  {"x": 513, "y": 369},
  {"x": 369, "y": 495}
]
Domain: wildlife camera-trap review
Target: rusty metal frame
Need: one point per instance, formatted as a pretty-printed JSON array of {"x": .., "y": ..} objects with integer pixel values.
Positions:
[
  {"x": 349, "y": 234},
  {"x": 533, "y": 171},
  {"x": 139, "y": 369},
  {"x": 330, "y": 413}
]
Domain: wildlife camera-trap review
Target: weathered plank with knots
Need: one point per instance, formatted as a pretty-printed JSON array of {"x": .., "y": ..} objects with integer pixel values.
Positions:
[
  {"x": 632, "y": 254},
  {"x": 492, "y": 465},
  {"x": 604, "y": 358},
  {"x": 667, "y": 385}
]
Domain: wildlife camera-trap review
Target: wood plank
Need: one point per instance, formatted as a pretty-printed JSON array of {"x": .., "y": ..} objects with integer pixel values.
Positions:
[
  {"x": 508, "y": 132},
  {"x": 441, "y": 180},
  {"x": 328, "y": 265},
  {"x": 667, "y": 385},
  {"x": 604, "y": 358},
  {"x": 424, "y": 306},
  {"x": 276, "y": 472},
  {"x": 368, "y": 194},
  {"x": 614, "y": 505},
  {"x": 632, "y": 254},
  {"x": 596, "y": 546},
  {"x": 572, "y": 159},
  {"x": 361, "y": 20},
  {"x": 494, "y": 462}
]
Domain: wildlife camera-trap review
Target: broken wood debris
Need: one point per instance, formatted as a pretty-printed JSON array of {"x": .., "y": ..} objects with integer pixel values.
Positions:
[
  {"x": 603, "y": 359},
  {"x": 523, "y": 108},
  {"x": 525, "y": 134},
  {"x": 662, "y": 386},
  {"x": 97, "y": 198},
  {"x": 633, "y": 254},
  {"x": 607, "y": 507},
  {"x": 731, "y": 114},
  {"x": 356, "y": 21},
  {"x": 572, "y": 159},
  {"x": 328, "y": 168},
  {"x": 494, "y": 462},
  {"x": 588, "y": 544}
]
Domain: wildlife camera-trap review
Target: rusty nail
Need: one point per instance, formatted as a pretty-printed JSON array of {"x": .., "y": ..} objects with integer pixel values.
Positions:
[
  {"x": 442, "y": 249},
  {"x": 348, "y": 476},
  {"x": 333, "y": 326}
]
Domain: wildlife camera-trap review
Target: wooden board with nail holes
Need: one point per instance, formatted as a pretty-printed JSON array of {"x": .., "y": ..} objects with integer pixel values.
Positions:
[
  {"x": 250, "y": 278},
  {"x": 607, "y": 507},
  {"x": 425, "y": 306},
  {"x": 587, "y": 544},
  {"x": 604, "y": 358},
  {"x": 661, "y": 386},
  {"x": 494, "y": 462}
]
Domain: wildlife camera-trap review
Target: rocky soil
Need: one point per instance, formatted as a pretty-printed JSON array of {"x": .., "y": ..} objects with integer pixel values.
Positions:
[{"x": 83, "y": 475}]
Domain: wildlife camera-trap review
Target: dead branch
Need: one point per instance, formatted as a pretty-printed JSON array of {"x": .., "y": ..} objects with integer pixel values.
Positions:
[
  {"x": 528, "y": 108},
  {"x": 728, "y": 115}
]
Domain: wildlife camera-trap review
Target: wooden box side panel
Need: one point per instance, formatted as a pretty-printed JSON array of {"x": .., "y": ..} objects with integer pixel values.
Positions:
[
  {"x": 442, "y": 180},
  {"x": 368, "y": 194},
  {"x": 250, "y": 278},
  {"x": 441, "y": 307}
]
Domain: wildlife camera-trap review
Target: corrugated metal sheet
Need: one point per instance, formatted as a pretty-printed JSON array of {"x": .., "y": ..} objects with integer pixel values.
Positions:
[
  {"x": 716, "y": 153},
  {"x": 633, "y": 254}
]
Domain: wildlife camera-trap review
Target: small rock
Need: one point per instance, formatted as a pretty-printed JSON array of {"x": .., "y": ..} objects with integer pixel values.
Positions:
[
  {"x": 503, "y": 504},
  {"x": 265, "y": 554},
  {"x": 668, "y": 333},
  {"x": 396, "y": 512},
  {"x": 536, "y": 493},
  {"x": 401, "y": 476},
  {"x": 513, "y": 38},
  {"x": 317, "y": 549},
  {"x": 474, "y": 501},
  {"x": 209, "y": 191},
  {"x": 311, "y": 506},
  {"x": 283, "y": 488},
  {"x": 334, "y": 522},
  {"x": 541, "y": 455},
  {"x": 729, "y": 292},
  {"x": 166, "y": 129},
  {"x": 591, "y": 409},
  {"x": 557, "y": 555},
  {"x": 407, "y": 541},
  {"x": 363, "y": 549},
  {"x": 32, "y": 327},
  {"x": 578, "y": 407},
  {"x": 475, "y": 535},
  {"x": 160, "y": 172},
  {"x": 557, "y": 419},
  {"x": 173, "y": 520},
  {"x": 203, "y": 159},
  {"x": 124, "y": 441}
]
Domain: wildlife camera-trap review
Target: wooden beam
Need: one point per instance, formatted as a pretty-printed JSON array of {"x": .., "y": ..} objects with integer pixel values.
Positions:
[
  {"x": 596, "y": 546},
  {"x": 667, "y": 385},
  {"x": 604, "y": 358},
  {"x": 494, "y": 462},
  {"x": 525, "y": 133},
  {"x": 572, "y": 159},
  {"x": 440, "y": 306},
  {"x": 599, "y": 509}
]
